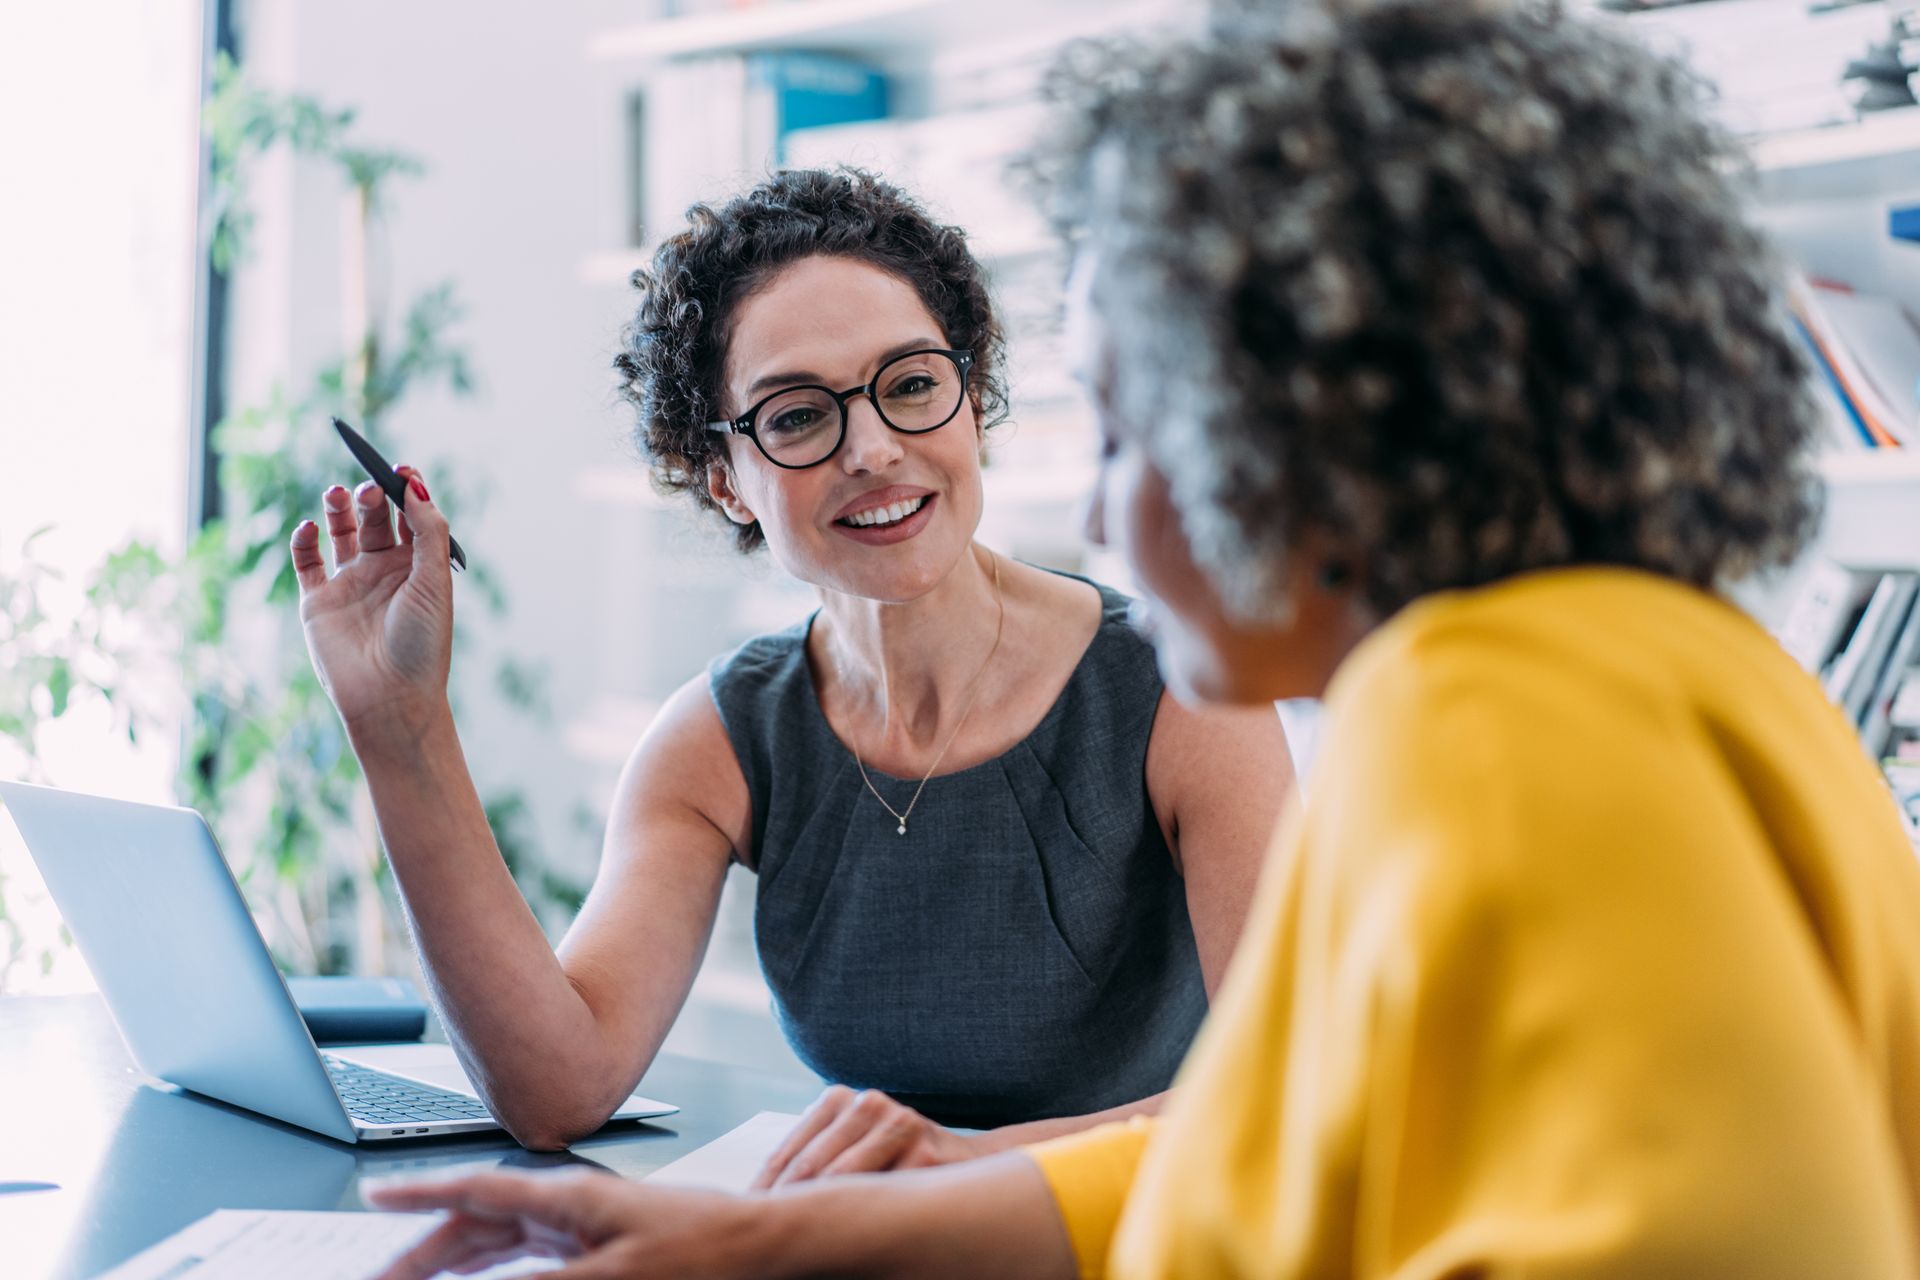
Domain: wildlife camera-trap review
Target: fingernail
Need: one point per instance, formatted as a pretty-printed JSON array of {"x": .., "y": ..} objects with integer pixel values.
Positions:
[
  {"x": 419, "y": 489},
  {"x": 335, "y": 497}
]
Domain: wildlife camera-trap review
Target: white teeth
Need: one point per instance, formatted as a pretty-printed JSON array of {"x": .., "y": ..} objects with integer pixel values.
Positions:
[{"x": 886, "y": 515}]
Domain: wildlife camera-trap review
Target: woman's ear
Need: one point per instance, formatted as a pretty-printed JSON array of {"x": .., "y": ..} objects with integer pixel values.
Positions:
[{"x": 720, "y": 489}]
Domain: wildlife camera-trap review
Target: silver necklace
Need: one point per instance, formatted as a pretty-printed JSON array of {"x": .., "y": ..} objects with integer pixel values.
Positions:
[{"x": 973, "y": 691}]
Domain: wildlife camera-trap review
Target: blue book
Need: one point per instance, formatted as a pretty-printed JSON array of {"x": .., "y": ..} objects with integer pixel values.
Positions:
[
  {"x": 789, "y": 91},
  {"x": 359, "y": 1010}
]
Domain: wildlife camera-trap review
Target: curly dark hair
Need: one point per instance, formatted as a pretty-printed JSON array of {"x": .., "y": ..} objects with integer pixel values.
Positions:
[
  {"x": 673, "y": 353},
  {"x": 1458, "y": 290}
]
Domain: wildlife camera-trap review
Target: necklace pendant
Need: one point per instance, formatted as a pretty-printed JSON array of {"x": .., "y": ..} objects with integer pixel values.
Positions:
[{"x": 902, "y": 829}]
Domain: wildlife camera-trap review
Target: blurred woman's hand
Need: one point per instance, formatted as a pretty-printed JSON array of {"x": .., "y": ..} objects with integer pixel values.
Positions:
[
  {"x": 380, "y": 627},
  {"x": 845, "y": 1131},
  {"x": 606, "y": 1226},
  {"x": 991, "y": 1217}
]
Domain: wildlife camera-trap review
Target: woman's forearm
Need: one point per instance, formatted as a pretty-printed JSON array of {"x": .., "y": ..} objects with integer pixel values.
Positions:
[
  {"x": 527, "y": 1037},
  {"x": 1020, "y": 1135},
  {"x": 993, "y": 1217}
]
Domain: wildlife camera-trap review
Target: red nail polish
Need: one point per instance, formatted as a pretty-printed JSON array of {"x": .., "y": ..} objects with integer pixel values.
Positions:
[{"x": 419, "y": 489}]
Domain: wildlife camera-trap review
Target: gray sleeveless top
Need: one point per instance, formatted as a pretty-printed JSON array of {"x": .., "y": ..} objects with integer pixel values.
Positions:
[{"x": 1024, "y": 951}]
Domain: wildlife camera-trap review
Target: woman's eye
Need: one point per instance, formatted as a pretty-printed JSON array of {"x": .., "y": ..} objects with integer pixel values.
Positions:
[
  {"x": 918, "y": 385},
  {"x": 794, "y": 420}
]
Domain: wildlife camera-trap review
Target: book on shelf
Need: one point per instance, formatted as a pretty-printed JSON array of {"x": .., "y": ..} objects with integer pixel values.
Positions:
[
  {"x": 1876, "y": 722},
  {"x": 1829, "y": 599},
  {"x": 788, "y": 92},
  {"x": 1899, "y": 748},
  {"x": 1860, "y": 634},
  {"x": 1856, "y": 669},
  {"x": 1866, "y": 353},
  {"x": 707, "y": 128},
  {"x": 1847, "y": 431}
]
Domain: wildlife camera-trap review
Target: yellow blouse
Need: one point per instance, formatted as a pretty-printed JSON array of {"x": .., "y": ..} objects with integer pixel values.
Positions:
[{"x": 1595, "y": 952}]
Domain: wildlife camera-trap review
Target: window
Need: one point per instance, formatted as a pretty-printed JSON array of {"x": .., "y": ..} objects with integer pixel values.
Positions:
[{"x": 97, "y": 250}]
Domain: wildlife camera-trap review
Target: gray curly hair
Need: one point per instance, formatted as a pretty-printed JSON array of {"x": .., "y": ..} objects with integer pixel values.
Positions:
[{"x": 1456, "y": 290}]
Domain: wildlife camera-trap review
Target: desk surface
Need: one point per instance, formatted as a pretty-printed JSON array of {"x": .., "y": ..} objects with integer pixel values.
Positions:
[{"x": 136, "y": 1160}]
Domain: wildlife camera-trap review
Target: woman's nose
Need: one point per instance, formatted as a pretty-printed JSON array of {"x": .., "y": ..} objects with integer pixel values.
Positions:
[{"x": 871, "y": 444}]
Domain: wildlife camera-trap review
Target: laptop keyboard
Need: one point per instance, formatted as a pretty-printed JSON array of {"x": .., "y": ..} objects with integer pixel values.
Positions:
[{"x": 382, "y": 1099}]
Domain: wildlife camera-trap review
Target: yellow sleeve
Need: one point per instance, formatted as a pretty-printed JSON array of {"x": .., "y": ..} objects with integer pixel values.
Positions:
[{"x": 1089, "y": 1174}]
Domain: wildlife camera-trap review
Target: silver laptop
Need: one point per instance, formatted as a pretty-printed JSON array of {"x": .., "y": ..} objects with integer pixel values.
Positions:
[{"x": 200, "y": 1003}]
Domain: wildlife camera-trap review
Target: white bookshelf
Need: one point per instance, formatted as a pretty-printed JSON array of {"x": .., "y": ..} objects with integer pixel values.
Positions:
[
  {"x": 879, "y": 30},
  {"x": 867, "y": 27},
  {"x": 1873, "y": 509},
  {"x": 1876, "y": 155},
  {"x": 1872, "y": 139}
]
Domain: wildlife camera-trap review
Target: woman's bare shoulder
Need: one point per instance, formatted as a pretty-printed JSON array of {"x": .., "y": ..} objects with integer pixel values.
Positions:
[{"x": 683, "y": 770}]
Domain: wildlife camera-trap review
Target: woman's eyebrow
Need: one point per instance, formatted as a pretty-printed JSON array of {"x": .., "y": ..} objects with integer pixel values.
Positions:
[{"x": 792, "y": 376}]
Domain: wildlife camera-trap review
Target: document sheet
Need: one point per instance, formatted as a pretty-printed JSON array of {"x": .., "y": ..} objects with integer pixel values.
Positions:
[
  {"x": 729, "y": 1162},
  {"x": 247, "y": 1244}
]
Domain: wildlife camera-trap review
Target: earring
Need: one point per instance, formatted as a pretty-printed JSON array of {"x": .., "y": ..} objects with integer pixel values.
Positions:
[{"x": 1334, "y": 575}]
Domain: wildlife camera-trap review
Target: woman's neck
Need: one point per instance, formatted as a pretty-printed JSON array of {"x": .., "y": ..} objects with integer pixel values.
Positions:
[{"x": 907, "y": 671}]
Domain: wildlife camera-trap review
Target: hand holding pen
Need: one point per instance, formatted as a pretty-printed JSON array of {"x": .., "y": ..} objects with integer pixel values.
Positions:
[
  {"x": 391, "y": 482},
  {"x": 379, "y": 626}
]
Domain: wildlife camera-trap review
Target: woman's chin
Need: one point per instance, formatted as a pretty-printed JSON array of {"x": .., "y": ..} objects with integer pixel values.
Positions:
[{"x": 891, "y": 575}]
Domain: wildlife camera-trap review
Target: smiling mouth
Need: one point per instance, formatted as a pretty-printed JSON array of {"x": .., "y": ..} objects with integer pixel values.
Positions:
[{"x": 881, "y": 517}]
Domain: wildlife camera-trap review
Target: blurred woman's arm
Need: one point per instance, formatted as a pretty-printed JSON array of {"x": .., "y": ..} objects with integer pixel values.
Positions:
[{"x": 989, "y": 1218}]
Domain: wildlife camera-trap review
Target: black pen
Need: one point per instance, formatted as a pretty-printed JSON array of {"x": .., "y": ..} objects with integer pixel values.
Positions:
[{"x": 390, "y": 484}]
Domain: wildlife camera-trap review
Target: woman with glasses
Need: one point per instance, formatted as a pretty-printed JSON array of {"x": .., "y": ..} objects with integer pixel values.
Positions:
[
  {"x": 1595, "y": 952},
  {"x": 999, "y": 869}
]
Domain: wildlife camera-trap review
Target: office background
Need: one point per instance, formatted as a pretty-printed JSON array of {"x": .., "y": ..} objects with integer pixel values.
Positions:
[{"x": 520, "y": 163}]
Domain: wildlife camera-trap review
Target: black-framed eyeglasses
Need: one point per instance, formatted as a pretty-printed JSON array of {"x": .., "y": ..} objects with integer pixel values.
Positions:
[{"x": 803, "y": 426}]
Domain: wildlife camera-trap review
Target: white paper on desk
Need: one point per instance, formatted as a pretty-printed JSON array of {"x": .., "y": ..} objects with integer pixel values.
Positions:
[
  {"x": 246, "y": 1244},
  {"x": 729, "y": 1162}
]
